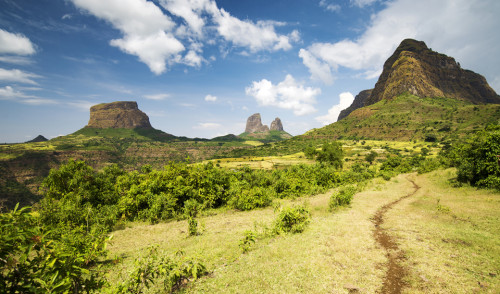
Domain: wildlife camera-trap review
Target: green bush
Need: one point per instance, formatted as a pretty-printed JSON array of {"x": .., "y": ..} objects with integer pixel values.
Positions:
[
  {"x": 342, "y": 197},
  {"x": 157, "y": 267},
  {"x": 476, "y": 159},
  {"x": 292, "y": 220},
  {"x": 38, "y": 259}
]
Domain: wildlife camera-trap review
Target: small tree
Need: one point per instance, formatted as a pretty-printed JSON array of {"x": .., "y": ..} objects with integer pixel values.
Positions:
[
  {"x": 332, "y": 154},
  {"x": 370, "y": 157}
]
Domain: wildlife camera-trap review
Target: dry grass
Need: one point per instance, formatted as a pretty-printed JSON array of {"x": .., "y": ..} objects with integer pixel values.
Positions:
[
  {"x": 452, "y": 250},
  {"x": 451, "y": 237}
]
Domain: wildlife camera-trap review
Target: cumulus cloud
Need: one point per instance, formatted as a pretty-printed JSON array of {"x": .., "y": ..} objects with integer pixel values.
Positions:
[
  {"x": 159, "y": 42},
  {"x": 346, "y": 99},
  {"x": 466, "y": 30},
  {"x": 147, "y": 31},
  {"x": 18, "y": 44},
  {"x": 319, "y": 70},
  {"x": 329, "y": 6},
  {"x": 161, "y": 96},
  {"x": 288, "y": 94},
  {"x": 9, "y": 93},
  {"x": 210, "y": 98},
  {"x": 18, "y": 76},
  {"x": 362, "y": 3}
]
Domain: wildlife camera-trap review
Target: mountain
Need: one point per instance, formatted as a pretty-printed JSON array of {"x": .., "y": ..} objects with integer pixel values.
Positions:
[
  {"x": 118, "y": 115},
  {"x": 415, "y": 69},
  {"x": 38, "y": 138},
  {"x": 254, "y": 124},
  {"x": 276, "y": 125},
  {"x": 257, "y": 131}
]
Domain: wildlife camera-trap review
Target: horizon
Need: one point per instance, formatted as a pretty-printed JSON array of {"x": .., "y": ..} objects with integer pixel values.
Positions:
[{"x": 199, "y": 69}]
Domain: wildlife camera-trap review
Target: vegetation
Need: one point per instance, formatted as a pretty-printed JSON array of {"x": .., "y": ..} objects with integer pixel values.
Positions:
[{"x": 477, "y": 159}]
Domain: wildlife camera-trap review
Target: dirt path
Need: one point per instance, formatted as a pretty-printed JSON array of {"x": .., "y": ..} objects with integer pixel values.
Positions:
[{"x": 394, "y": 277}]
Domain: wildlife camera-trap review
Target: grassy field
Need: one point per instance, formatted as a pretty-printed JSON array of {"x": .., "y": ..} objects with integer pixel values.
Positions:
[{"x": 449, "y": 238}]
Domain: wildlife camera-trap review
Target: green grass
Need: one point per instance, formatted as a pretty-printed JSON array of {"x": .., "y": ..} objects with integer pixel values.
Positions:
[
  {"x": 408, "y": 117},
  {"x": 447, "y": 251}
]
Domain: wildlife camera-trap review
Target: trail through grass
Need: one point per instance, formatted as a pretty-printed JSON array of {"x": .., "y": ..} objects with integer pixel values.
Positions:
[{"x": 449, "y": 246}]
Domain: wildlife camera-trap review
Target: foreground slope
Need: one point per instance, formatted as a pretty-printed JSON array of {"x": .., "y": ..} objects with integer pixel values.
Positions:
[{"x": 449, "y": 237}]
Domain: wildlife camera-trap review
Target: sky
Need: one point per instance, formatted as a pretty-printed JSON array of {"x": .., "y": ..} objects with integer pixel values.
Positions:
[{"x": 200, "y": 68}]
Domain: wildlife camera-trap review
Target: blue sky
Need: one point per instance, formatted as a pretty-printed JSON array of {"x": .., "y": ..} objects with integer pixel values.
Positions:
[{"x": 199, "y": 68}]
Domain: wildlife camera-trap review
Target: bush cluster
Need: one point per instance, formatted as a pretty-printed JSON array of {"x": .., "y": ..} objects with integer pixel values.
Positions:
[{"x": 342, "y": 197}]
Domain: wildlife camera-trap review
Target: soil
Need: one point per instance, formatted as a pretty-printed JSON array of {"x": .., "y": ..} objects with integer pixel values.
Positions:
[{"x": 394, "y": 277}]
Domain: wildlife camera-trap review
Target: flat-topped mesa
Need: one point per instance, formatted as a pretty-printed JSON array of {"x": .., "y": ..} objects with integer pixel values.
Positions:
[
  {"x": 276, "y": 125},
  {"x": 254, "y": 124},
  {"x": 120, "y": 114}
]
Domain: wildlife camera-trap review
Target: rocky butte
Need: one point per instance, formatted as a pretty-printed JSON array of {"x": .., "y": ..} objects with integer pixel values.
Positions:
[
  {"x": 416, "y": 69},
  {"x": 276, "y": 125},
  {"x": 254, "y": 124},
  {"x": 120, "y": 114}
]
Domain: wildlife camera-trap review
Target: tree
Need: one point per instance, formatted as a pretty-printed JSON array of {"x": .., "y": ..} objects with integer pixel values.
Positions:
[
  {"x": 370, "y": 157},
  {"x": 331, "y": 153},
  {"x": 476, "y": 159}
]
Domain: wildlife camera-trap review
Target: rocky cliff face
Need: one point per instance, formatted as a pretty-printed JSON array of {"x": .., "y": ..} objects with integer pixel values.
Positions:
[
  {"x": 121, "y": 114},
  {"x": 254, "y": 124},
  {"x": 416, "y": 69},
  {"x": 359, "y": 101},
  {"x": 276, "y": 125}
]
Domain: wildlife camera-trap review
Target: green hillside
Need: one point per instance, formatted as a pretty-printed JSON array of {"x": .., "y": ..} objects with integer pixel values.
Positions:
[
  {"x": 409, "y": 117},
  {"x": 266, "y": 137}
]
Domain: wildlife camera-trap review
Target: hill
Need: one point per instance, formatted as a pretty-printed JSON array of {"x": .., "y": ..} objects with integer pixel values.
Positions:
[
  {"x": 414, "y": 68},
  {"x": 408, "y": 117}
]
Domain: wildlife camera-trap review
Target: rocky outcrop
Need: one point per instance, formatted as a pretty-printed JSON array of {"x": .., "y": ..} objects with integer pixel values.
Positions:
[
  {"x": 276, "y": 125},
  {"x": 359, "y": 101},
  {"x": 414, "y": 68},
  {"x": 254, "y": 124},
  {"x": 39, "y": 138},
  {"x": 121, "y": 114}
]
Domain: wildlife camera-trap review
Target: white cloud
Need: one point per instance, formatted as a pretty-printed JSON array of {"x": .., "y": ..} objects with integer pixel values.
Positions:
[
  {"x": 363, "y": 3},
  {"x": 346, "y": 100},
  {"x": 15, "y": 44},
  {"x": 9, "y": 93},
  {"x": 319, "y": 70},
  {"x": 329, "y": 6},
  {"x": 464, "y": 29},
  {"x": 19, "y": 60},
  {"x": 189, "y": 10},
  {"x": 158, "y": 41},
  {"x": 207, "y": 126},
  {"x": 81, "y": 104},
  {"x": 18, "y": 76},
  {"x": 210, "y": 98},
  {"x": 161, "y": 96},
  {"x": 147, "y": 31},
  {"x": 255, "y": 36},
  {"x": 288, "y": 94}
]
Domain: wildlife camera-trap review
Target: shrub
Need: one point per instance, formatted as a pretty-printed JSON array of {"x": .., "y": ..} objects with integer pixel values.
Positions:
[
  {"x": 342, "y": 197},
  {"x": 476, "y": 159},
  {"x": 38, "y": 259},
  {"x": 247, "y": 241},
  {"x": 332, "y": 154},
  {"x": 292, "y": 220}
]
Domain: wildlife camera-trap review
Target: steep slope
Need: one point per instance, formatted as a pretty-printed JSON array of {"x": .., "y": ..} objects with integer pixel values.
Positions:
[
  {"x": 408, "y": 117},
  {"x": 414, "y": 68}
]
